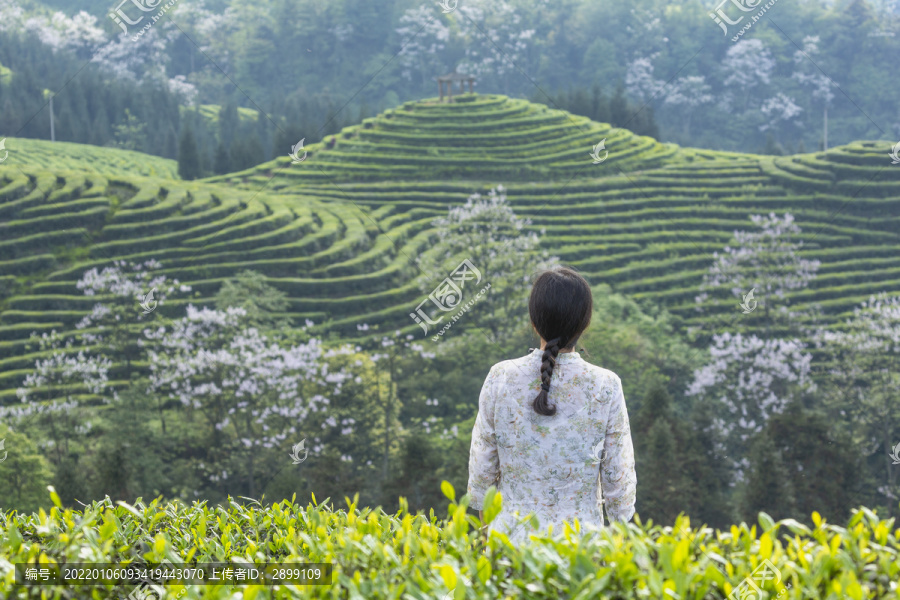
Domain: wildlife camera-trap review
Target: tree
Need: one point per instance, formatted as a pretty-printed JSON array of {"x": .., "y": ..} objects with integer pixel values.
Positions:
[
  {"x": 424, "y": 38},
  {"x": 130, "y": 293},
  {"x": 823, "y": 463},
  {"x": 252, "y": 392},
  {"x": 188, "y": 156},
  {"x": 663, "y": 491},
  {"x": 130, "y": 135},
  {"x": 222, "y": 160},
  {"x": 246, "y": 152},
  {"x": 495, "y": 39},
  {"x": 748, "y": 64},
  {"x": 810, "y": 74},
  {"x": 780, "y": 108},
  {"x": 132, "y": 457},
  {"x": 51, "y": 394},
  {"x": 766, "y": 260},
  {"x": 25, "y": 473},
  {"x": 389, "y": 367},
  {"x": 864, "y": 380},
  {"x": 488, "y": 233},
  {"x": 688, "y": 94},
  {"x": 264, "y": 305},
  {"x": 747, "y": 381},
  {"x": 769, "y": 486},
  {"x": 639, "y": 343}
]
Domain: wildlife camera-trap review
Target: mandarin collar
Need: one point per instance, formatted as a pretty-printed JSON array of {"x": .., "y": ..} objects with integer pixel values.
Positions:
[{"x": 562, "y": 357}]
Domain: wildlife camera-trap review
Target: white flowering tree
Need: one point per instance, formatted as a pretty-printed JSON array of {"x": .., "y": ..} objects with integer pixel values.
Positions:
[
  {"x": 423, "y": 36},
  {"x": 51, "y": 394},
  {"x": 688, "y": 94},
  {"x": 778, "y": 110},
  {"x": 748, "y": 64},
  {"x": 254, "y": 394},
  {"x": 496, "y": 39},
  {"x": 747, "y": 380},
  {"x": 766, "y": 261},
  {"x": 863, "y": 361},
  {"x": 128, "y": 293},
  {"x": 487, "y": 232},
  {"x": 491, "y": 36},
  {"x": 640, "y": 82},
  {"x": 79, "y": 33},
  {"x": 810, "y": 75}
]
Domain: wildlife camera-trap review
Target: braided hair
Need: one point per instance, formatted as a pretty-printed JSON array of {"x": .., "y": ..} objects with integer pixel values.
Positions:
[{"x": 560, "y": 307}]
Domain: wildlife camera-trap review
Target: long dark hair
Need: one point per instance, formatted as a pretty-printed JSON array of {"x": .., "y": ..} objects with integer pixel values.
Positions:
[{"x": 560, "y": 307}]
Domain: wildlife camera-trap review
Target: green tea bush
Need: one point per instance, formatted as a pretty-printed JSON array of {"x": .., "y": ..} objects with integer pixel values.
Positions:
[{"x": 375, "y": 555}]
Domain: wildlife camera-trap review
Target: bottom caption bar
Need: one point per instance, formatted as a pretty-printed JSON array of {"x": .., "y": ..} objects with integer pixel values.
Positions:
[{"x": 168, "y": 572}]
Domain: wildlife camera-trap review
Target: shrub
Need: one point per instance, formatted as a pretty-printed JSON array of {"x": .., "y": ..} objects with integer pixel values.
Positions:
[{"x": 377, "y": 555}]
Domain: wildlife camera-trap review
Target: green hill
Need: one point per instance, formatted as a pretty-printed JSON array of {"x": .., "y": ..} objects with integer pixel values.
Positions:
[
  {"x": 65, "y": 156},
  {"x": 337, "y": 231},
  {"x": 478, "y": 137}
]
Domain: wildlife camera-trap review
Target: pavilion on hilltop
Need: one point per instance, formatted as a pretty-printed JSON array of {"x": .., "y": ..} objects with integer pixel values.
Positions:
[{"x": 449, "y": 79}]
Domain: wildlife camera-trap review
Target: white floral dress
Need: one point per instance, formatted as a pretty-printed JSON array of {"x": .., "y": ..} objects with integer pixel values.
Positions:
[{"x": 558, "y": 467}]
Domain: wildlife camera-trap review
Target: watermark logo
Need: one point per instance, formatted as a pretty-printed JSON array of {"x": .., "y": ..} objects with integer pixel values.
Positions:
[
  {"x": 595, "y": 453},
  {"x": 447, "y": 295},
  {"x": 3, "y": 441},
  {"x": 895, "y": 153},
  {"x": 146, "y": 590},
  {"x": 895, "y": 454},
  {"x": 148, "y": 303},
  {"x": 718, "y": 15},
  {"x": 296, "y": 160},
  {"x": 743, "y": 6},
  {"x": 297, "y": 449},
  {"x": 448, "y": 6},
  {"x": 3, "y": 149},
  {"x": 749, "y": 304},
  {"x": 123, "y": 21},
  {"x": 595, "y": 153},
  {"x": 751, "y": 587}
]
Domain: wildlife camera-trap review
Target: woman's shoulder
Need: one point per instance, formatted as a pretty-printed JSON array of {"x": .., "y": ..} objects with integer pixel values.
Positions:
[{"x": 602, "y": 375}]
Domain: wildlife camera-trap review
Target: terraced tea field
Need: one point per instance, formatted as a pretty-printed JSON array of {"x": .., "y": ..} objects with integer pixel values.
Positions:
[
  {"x": 24, "y": 152},
  {"x": 479, "y": 137},
  {"x": 339, "y": 232}
]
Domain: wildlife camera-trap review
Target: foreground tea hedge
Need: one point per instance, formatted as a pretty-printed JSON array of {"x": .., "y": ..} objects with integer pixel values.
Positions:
[{"x": 377, "y": 555}]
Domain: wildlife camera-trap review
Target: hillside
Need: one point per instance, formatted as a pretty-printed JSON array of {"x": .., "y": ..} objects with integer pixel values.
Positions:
[
  {"x": 66, "y": 156},
  {"x": 337, "y": 231},
  {"x": 478, "y": 137}
]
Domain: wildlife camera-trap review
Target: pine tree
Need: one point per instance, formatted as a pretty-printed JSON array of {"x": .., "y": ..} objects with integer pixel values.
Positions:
[
  {"x": 663, "y": 488},
  {"x": 188, "y": 156},
  {"x": 824, "y": 464},
  {"x": 619, "y": 115},
  {"x": 222, "y": 162},
  {"x": 246, "y": 152},
  {"x": 768, "y": 487},
  {"x": 228, "y": 123}
]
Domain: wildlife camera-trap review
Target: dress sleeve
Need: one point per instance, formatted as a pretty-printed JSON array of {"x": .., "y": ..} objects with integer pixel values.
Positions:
[
  {"x": 617, "y": 477},
  {"x": 484, "y": 460}
]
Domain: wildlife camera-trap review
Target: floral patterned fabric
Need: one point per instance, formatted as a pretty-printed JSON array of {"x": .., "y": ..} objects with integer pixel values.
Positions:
[{"x": 558, "y": 467}]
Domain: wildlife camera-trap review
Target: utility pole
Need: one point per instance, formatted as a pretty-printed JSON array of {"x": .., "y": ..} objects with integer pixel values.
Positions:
[{"x": 49, "y": 95}]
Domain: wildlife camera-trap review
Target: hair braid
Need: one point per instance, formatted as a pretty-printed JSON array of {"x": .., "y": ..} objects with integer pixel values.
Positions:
[
  {"x": 560, "y": 307},
  {"x": 548, "y": 362}
]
